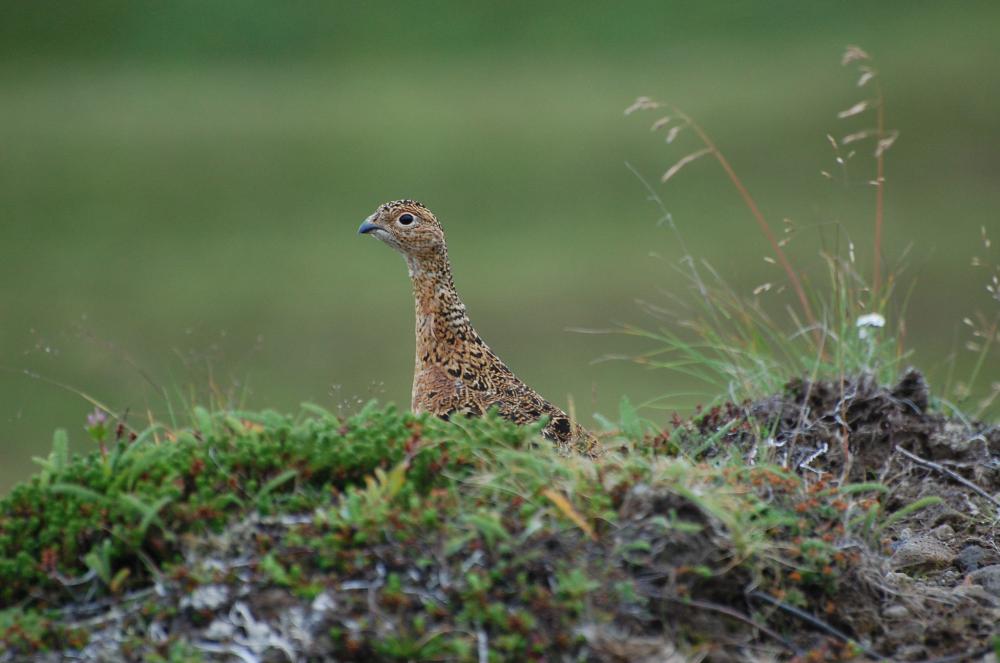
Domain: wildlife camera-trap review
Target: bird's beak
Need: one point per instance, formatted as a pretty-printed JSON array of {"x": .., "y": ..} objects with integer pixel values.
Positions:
[{"x": 367, "y": 226}]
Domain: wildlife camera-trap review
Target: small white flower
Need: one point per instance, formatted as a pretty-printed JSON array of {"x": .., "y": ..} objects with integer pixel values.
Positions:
[{"x": 869, "y": 321}]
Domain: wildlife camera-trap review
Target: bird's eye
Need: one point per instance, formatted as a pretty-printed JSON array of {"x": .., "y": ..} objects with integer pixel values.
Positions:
[{"x": 405, "y": 219}]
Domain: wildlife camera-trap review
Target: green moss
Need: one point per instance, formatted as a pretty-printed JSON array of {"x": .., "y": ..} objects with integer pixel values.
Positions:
[
  {"x": 176, "y": 652},
  {"x": 107, "y": 513},
  {"x": 30, "y": 631}
]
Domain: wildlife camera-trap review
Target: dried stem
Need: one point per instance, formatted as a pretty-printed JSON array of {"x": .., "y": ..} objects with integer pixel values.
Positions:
[
  {"x": 879, "y": 195},
  {"x": 948, "y": 473},
  {"x": 729, "y": 612},
  {"x": 814, "y": 621},
  {"x": 751, "y": 204}
]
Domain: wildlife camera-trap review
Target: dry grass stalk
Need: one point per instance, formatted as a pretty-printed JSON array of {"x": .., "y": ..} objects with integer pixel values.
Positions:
[{"x": 644, "y": 103}]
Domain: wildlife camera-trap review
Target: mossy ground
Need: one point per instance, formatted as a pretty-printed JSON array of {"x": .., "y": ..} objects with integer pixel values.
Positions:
[{"x": 770, "y": 529}]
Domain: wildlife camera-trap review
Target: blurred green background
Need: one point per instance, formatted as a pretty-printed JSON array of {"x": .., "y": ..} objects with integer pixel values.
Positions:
[{"x": 181, "y": 183}]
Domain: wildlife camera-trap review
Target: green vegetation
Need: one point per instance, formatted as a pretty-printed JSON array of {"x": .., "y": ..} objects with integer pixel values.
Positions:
[
  {"x": 106, "y": 512},
  {"x": 466, "y": 534}
]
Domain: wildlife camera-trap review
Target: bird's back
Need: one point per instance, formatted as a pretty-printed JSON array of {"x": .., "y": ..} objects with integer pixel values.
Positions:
[{"x": 458, "y": 373}]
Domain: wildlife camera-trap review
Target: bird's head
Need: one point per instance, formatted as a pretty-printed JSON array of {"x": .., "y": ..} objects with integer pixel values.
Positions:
[{"x": 408, "y": 227}]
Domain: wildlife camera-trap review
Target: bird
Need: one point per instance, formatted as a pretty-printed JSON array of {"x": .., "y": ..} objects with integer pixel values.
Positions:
[{"x": 455, "y": 371}]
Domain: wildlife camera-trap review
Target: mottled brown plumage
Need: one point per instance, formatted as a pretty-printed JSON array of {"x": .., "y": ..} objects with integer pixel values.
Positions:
[{"x": 455, "y": 371}]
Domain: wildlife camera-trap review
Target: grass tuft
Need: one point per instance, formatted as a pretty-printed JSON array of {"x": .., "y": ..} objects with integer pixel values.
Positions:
[{"x": 748, "y": 341}]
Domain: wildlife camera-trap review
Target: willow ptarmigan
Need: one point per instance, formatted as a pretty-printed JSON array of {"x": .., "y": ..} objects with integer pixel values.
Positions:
[{"x": 455, "y": 371}]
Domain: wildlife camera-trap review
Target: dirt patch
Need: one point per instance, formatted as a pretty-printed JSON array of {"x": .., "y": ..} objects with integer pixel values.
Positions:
[
  {"x": 852, "y": 428},
  {"x": 929, "y": 589}
]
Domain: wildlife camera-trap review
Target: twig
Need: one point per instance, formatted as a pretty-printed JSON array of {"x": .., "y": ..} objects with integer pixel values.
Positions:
[
  {"x": 964, "y": 656},
  {"x": 879, "y": 197},
  {"x": 954, "y": 475},
  {"x": 815, "y": 621},
  {"x": 758, "y": 216},
  {"x": 78, "y": 612},
  {"x": 729, "y": 612},
  {"x": 482, "y": 645}
]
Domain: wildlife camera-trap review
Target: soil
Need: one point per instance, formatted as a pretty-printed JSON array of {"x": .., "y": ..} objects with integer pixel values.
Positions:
[{"x": 935, "y": 589}]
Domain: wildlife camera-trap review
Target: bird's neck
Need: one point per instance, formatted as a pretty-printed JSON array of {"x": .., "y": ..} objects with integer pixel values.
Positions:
[{"x": 440, "y": 312}]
